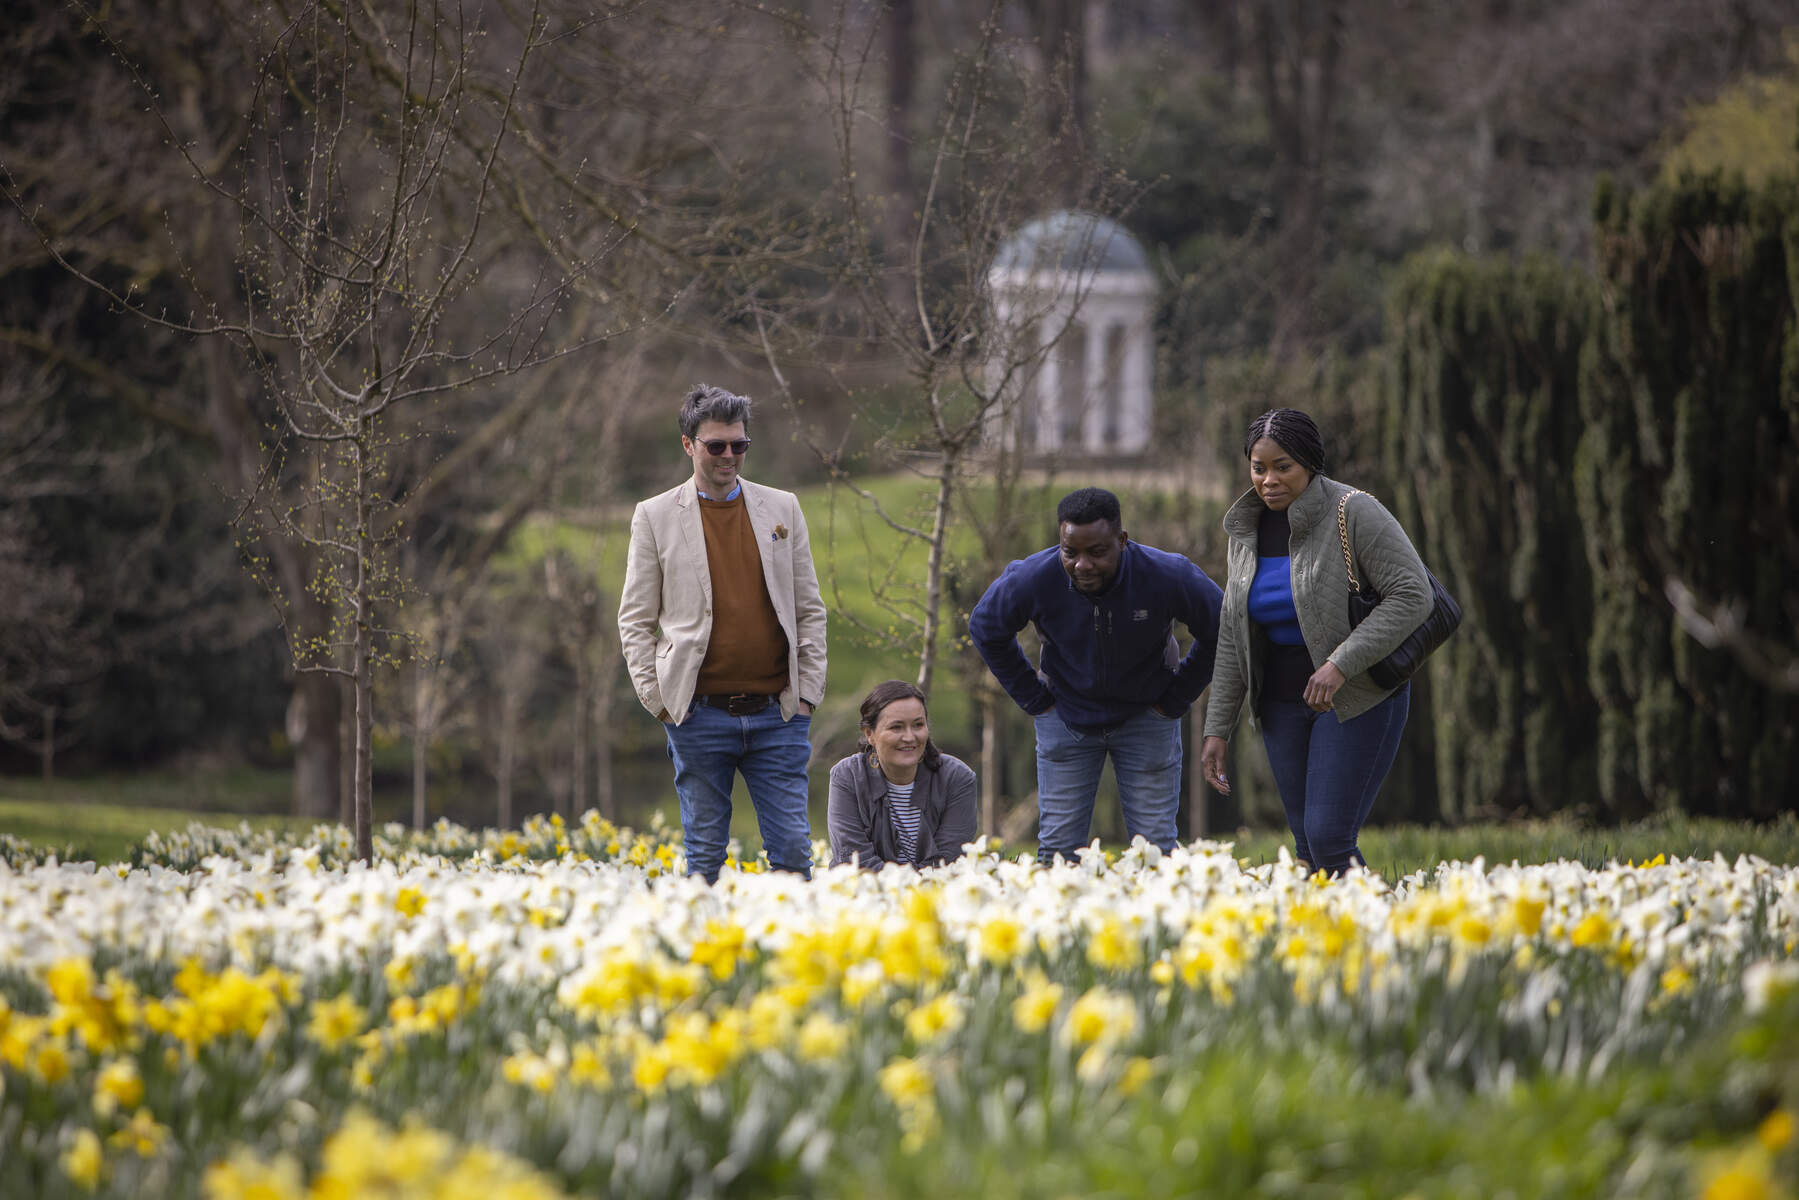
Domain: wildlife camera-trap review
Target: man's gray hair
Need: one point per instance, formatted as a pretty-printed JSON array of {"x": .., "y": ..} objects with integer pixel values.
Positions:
[{"x": 707, "y": 403}]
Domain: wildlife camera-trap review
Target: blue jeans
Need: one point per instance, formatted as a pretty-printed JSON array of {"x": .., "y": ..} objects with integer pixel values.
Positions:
[
  {"x": 708, "y": 749},
  {"x": 1329, "y": 771},
  {"x": 1146, "y": 761}
]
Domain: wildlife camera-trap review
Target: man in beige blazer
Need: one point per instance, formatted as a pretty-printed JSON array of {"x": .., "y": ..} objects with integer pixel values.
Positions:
[{"x": 723, "y": 631}]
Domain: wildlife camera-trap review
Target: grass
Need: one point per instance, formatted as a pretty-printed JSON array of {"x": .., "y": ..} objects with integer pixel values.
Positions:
[
  {"x": 238, "y": 791},
  {"x": 872, "y": 578},
  {"x": 105, "y": 816},
  {"x": 80, "y": 830},
  {"x": 1398, "y": 850},
  {"x": 859, "y": 560},
  {"x": 1307, "y": 1120}
]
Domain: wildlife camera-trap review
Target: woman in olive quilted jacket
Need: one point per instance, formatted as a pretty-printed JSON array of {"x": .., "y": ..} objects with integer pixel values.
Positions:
[{"x": 1285, "y": 643}]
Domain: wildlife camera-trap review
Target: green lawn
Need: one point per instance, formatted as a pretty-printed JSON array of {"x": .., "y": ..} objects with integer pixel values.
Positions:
[
  {"x": 1397, "y": 850},
  {"x": 107, "y": 832},
  {"x": 236, "y": 791},
  {"x": 872, "y": 578},
  {"x": 102, "y": 818}
]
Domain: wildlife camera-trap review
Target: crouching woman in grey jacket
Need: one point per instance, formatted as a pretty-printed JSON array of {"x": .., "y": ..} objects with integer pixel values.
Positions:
[
  {"x": 1286, "y": 645},
  {"x": 899, "y": 799}
]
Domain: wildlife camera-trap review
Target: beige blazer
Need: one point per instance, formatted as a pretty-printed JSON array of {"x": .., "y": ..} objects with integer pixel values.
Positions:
[{"x": 665, "y": 610}]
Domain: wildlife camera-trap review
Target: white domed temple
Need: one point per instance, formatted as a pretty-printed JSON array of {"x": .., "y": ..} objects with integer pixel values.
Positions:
[{"x": 1079, "y": 288}]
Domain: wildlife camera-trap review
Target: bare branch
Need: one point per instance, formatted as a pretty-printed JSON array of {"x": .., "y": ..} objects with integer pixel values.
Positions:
[{"x": 1720, "y": 626}]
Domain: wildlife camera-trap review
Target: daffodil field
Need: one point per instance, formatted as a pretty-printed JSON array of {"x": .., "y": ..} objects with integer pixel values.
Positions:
[{"x": 559, "y": 1011}]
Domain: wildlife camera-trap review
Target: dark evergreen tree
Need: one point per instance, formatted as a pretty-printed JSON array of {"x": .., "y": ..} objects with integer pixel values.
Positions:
[
  {"x": 1480, "y": 427},
  {"x": 1686, "y": 480}
]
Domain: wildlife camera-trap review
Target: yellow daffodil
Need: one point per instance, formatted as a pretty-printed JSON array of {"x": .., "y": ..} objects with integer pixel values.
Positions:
[
  {"x": 335, "y": 1021},
  {"x": 934, "y": 1019},
  {"x": 141, "y": 1135},
  {"x": 1036, "y": 1004},
  {"x": 1001, "y": 940},
  {"x": 1775, "y": 1133},
  {"x": 118, "y": 1085},
  {"x": 822, "y": 1039},
  {"x": 410, "y": 902},
  {"x": 1100, "y": 1014},
  {"x": 84, "y": 1160},
  {"x": 1114, "y": 947}
]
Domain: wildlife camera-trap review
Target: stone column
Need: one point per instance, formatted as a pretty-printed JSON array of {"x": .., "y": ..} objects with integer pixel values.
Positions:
[
  {"x": 1137, "y": 384},
  {"x": 1099, "y": 390},
  {"x": 1049, "y": 381}
]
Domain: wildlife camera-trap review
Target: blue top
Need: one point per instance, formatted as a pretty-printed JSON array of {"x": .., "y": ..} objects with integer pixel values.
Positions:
[
  {"x": 1286, "y": 663},
  {"x": 1108, "y": 657},
  {"x": 1271, "y": 601}
]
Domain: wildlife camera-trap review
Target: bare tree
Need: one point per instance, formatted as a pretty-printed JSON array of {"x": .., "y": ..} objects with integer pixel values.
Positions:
[
  {"x": 962, "y": 361},
  {"x": 524, "y": 454},
  {"x": 103, "y": 204},
  {"x": 902, "y": 89},
  {"x": 1299, "y": 55},
  {"x": 437, "y": 688},
  {"x": 577, "y": 602},
  {"x": 1062, "y": 41},
  {"x": 360, "y": 242},
  {"x": 47, "y": 648},
  {"x": 511, "y": 641},
  {"x": 85, "y": 510},
  {"x": 1487, "y": 124}
]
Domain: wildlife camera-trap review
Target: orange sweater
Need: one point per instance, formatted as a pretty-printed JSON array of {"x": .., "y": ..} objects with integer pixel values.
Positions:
[{"x": 748, "y": 650}]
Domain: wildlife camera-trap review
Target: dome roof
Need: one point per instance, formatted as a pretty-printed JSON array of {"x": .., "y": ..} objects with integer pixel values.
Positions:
[{"x": 1069, "y": 240}]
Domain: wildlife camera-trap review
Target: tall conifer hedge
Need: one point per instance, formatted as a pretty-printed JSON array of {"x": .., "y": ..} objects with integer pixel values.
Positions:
[
  {"x": 1562, "y": 446},
  {"x": 1480, "y": 430},
  {"x": 1690, "y": 470}
]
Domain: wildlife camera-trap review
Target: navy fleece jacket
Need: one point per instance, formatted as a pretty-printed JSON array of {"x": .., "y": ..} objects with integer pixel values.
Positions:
[{"x": 1108, "y": 657}]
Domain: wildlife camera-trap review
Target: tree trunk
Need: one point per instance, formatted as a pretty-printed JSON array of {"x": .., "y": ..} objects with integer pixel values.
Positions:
[
  {"x": 577, "y": 791},
  {"x": 1481, "y": 156},
  {"x": 48, "y": 754},
  {"x": 1062, "y": 30},
  {"x": 990, "y": 759},
  {"x": 946, "y": 488},
  {"x": 365, "y": 765},
  {"x": 346, "y": 768},
  {"x": 1197, "y": 789},
  {"x": 902, "y": 72},
  {"x": 421, "y": 740},
  {"x": 1299, "y": 50},
  {"x": 313, "y": 712},
  {"x": 509, "y": 716},
  {"x": 313, "y": 709},
  {"x": 1223, "y": 27},
  {"x": 604, "y": 692},
  {"x": 363, "y": 657}
]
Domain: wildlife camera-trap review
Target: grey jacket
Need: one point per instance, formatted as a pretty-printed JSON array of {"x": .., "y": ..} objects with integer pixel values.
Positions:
[
  {"x": 1384, "y": 557},
  {"x": 856, "y": 813}
]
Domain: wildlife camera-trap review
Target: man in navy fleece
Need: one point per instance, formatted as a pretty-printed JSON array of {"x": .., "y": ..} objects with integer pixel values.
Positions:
[{"x": 1111, "y": 679}]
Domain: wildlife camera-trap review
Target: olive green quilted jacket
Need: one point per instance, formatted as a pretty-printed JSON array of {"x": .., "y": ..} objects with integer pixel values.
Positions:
[{"x": 1384, "y": 557}]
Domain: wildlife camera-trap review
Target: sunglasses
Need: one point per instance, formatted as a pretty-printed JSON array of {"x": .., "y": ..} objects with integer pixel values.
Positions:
[{"x": 736, "y": 446}]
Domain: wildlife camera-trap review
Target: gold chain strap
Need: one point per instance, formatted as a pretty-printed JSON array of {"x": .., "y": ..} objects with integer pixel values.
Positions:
[{"x": 1343, "y": 536}]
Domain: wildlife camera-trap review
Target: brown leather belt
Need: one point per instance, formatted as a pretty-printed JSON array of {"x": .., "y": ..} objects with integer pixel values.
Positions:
[{"x": 742, "y": 704}]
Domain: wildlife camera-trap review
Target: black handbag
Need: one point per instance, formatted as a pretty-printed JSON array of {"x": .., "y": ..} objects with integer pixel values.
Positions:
[{"x": 1445, "y": 615}]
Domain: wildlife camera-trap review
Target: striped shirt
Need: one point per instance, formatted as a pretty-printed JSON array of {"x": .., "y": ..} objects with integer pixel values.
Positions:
[{"x": 904, "y": 817}]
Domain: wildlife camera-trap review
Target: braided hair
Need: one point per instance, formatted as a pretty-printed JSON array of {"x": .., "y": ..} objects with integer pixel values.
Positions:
[{"x": 1294, "y": 432}]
